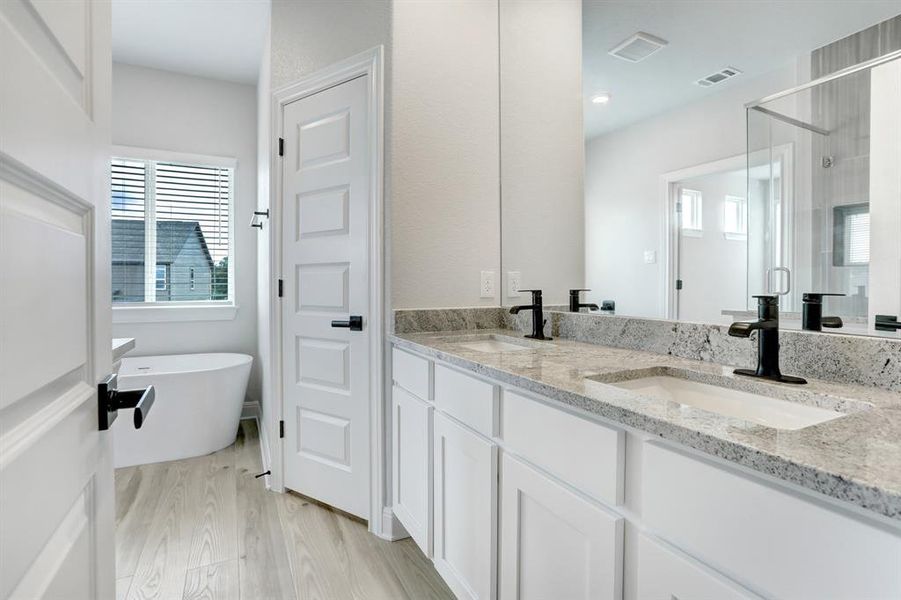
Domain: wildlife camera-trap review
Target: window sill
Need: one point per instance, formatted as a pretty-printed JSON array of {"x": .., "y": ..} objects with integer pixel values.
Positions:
[
  {"x": 735, "y": 237},
  {"x": 695, "y": 233},
  {"x": 156, "y": 313}
]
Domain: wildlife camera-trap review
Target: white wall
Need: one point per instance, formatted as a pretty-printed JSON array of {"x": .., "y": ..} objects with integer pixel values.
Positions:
[
  {"x": 443, "y": 193},
  {"x": 542, "y": 146},
  {"x": 168, "y": 111},
  {"x": 623, "y": 192}
]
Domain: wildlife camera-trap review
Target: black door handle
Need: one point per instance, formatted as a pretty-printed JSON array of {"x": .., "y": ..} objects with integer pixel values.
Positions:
[
  {"x": 354, "y": 323},
  {"x": 110, "y": 400}
]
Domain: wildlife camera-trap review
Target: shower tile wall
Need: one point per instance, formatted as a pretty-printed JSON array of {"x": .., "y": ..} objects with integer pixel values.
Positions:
[{"x": 843, "y": 107}]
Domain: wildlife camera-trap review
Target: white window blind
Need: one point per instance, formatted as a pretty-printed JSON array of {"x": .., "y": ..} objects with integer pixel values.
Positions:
[
  {"x": 692, "y": 211},
  {"x": 857, "y": 238},
  {"x": 735, "y": 215},
  {"x": 170, "y": 231}
]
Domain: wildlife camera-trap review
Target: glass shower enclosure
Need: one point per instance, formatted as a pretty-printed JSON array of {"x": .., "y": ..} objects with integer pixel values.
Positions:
[{"x": 824, "y": 194}]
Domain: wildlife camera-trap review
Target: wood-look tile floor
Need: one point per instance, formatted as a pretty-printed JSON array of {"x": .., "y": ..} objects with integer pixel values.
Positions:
[{"x": 204, "y": 528}]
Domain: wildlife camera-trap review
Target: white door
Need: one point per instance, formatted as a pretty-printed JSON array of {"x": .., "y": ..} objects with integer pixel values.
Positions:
[
  {"x": 327, "y": 206},
  {"x": 465, "y": 510},
  {"x": 555, "y": 544},
  {"x": 411, "y": 451},
  {"x": 57, "y": 504}
]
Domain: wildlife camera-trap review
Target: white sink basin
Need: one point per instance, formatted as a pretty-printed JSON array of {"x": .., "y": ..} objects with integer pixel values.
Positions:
[
  {"x": 492, "y": 342},
  {"x": 756, "y": 408}
]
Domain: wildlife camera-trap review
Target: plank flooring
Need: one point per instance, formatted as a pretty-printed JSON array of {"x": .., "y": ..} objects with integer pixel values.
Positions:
[{"x": 205, "y": 529}]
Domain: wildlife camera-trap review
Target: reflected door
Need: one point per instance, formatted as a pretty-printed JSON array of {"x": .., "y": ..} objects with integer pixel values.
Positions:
[{"x": 325, "y": 241}]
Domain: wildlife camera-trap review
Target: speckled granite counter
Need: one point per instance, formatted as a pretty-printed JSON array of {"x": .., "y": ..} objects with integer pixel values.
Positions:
[{"x": 856, "y": 458}]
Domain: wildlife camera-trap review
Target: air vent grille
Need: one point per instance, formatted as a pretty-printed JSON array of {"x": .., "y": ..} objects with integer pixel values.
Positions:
[
  {"x": 718, "y": 77},
  {"x": 638, "y": 47}
]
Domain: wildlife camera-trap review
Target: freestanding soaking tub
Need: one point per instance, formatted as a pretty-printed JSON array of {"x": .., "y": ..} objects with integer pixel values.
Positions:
[{"x": 198, "y": 404}]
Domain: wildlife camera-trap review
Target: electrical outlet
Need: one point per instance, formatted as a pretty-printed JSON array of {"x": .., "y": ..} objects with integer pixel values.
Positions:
[
  {"x": 487, "y": 285},
  {"x": 514, "y": 283}
]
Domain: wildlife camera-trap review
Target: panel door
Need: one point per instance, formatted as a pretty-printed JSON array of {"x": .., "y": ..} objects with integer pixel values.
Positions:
[
  {"x": 325, "y": 242},
  {"x": 57, "y": 504},
  {"x": 465, "y": 510},
  {"x": 411, "y": 446},
  {"x": 664, "y": 574},
  {"x": 555, "y": 544}
]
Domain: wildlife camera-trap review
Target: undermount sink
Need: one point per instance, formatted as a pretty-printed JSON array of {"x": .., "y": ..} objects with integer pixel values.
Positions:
[
  {"x": 492, "y": 342},
  {"x": 778, "y": 413}
]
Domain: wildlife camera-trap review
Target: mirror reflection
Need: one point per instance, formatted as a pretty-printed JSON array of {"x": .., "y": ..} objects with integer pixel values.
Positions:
[{"x": 733, "y": 149}]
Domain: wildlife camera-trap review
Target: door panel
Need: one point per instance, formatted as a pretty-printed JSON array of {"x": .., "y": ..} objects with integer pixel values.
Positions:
[
  {"x": 56, "y": 479},
  {"x": 553, "y": 543},
  {"x": 465, "y": 510},
  {"x": 325, "y": 232},
  {"x": 411, "y": 447}
]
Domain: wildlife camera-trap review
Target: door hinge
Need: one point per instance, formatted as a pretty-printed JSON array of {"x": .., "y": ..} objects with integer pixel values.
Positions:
[
  {"x": 281, "y": 429},
  {"x": 281, "y": 288},
  {"x": 281, "y": 146},
  {"x": 678, "y": 284}
]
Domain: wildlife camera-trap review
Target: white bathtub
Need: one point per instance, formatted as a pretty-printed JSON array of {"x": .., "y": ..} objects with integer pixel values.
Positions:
[{"x": 198, "y": 404}]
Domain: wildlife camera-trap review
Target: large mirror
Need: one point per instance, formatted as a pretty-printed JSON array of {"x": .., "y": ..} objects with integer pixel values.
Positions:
[{"x": 728, "y": 149}]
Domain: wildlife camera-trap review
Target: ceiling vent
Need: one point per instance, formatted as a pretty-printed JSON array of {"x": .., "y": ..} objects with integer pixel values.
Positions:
[
  {"x": 638, "y": 47},
  {"x": 718, "y": 77}
]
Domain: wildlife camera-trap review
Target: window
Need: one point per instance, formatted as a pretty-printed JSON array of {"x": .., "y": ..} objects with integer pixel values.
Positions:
[
  {"x": 161, "y": 278},
  {"x": 171, "y": 232},
  {"x": 851, "y": 235},
  {"x": 692, "y": 209},
  {"x": 735, "y": 218}
]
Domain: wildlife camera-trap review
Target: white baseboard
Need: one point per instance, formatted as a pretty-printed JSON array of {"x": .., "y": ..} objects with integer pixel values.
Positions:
[
  {"x": 392, "y": 530},
  {"x": 251, "y": 410}
]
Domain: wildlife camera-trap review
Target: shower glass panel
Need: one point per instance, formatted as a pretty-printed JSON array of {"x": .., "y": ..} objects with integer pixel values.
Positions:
[{"x": 824, "y": 193}]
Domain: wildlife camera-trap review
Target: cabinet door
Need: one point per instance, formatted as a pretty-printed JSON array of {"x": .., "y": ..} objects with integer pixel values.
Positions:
[
  {"x": 465, "y": 510},
  {"x": 664, "y": 574},
  {"x": 412, "y": 474},
  {"x": 554, "y": 543}
]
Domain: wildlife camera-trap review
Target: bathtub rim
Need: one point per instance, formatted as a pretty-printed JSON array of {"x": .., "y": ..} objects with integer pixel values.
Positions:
[{"x": 247, "y": 360}]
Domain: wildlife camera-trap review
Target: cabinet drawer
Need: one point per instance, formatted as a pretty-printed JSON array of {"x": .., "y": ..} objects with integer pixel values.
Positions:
[
  {"x": 766, "y": 536},
  {"x": 555, "y": 543},
  {"x": 467, "y": 399},
  {"x": 585, "y": 454},
  {"x": 664, "y": 574},
  {"x": 411, "y": 372}
]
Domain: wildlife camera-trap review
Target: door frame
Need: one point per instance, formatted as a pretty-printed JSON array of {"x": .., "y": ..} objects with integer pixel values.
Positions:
[
  {"x": 668, "y": 185},
  {"x": 371, "y": 64}
]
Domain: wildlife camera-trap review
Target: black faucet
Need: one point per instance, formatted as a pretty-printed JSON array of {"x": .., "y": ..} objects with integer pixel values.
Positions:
[
  {"x": 537, "y": 315},
  {"x": 767, "y": 340},
  {"x": 812, "y": 318},
  {"x": 575, "y": 305}
]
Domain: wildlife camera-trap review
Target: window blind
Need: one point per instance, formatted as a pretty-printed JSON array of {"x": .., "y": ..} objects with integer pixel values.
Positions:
[{"x": 170, "y": 225}]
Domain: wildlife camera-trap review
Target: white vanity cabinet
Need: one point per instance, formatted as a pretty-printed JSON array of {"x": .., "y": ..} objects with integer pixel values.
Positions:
[
  {"x": 465, "y": 509},
  {"x": 529, "y": 499},
  {"x": 554, "y": 543}
]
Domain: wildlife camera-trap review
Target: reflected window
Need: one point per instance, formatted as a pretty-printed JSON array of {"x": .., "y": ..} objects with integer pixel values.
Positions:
[
  {"x": 691, "y": 204},
  {"x": 735, "y": 217},
  {"x": 851, "y": 235}
]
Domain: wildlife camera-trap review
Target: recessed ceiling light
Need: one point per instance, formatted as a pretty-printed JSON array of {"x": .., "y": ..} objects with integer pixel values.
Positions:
[{"x": 601, "y": 98}]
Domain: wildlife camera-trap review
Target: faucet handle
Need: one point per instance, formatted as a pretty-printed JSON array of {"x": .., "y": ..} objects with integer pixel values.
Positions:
[{"x": 536, "y": 295}]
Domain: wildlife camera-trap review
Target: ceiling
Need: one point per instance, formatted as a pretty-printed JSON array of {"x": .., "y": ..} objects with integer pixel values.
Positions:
[
  {"x": 219, "y": 39},
  {"x": 754, "y": 36}
]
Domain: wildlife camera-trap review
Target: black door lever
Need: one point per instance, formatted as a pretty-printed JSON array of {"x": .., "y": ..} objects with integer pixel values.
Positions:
[
  {"x": 110, "y": 400},
  {"x": 354, "y": 323}
]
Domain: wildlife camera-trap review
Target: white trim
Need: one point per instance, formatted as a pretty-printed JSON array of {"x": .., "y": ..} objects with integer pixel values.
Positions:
[
  {"x": 392, "y": 529},
  {"x": 164, "y": 312},
  {"x": 370, "y": 63},
  {"x": 251, "y": 410},
  {"x": 205, "y": 160}
]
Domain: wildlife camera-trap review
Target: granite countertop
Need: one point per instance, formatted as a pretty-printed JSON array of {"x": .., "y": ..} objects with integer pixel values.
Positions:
[{"x": 855, "y": 459}]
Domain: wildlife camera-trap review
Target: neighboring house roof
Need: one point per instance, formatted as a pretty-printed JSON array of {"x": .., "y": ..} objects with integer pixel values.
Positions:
[{"x": 171, "y": 236}]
